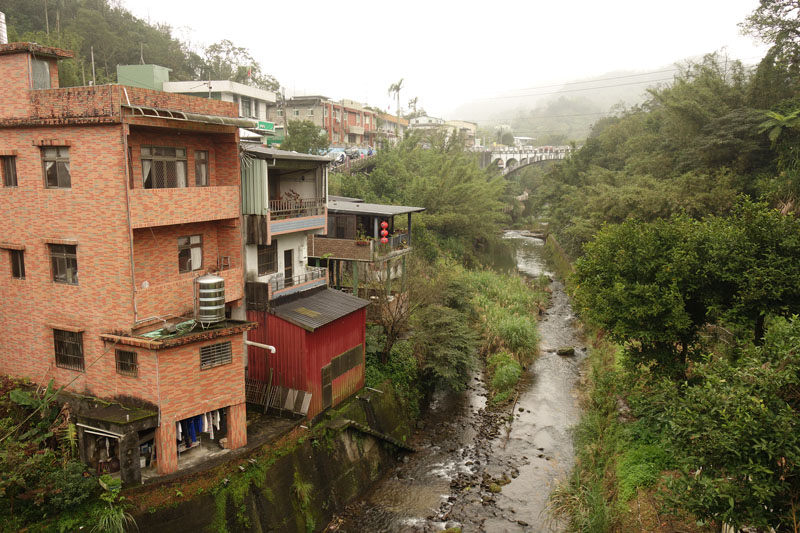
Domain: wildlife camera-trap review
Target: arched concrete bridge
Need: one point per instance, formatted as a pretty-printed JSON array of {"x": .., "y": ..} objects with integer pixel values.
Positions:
[{"x": 511, "y": 159}]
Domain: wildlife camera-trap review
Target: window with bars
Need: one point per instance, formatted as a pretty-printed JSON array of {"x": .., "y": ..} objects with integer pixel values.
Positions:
[
  {"x": 8, "y": 167},
  {"x": 200, "y": 168},
  {"x": 163, "y": 167},
  {"x": 17, "y": 264},
  {"x": 190, "y": 253},
  {"x": 127, "y": 363},
  {"x": 55, "y": 160},
  {"x": 267, "y": 259},
  {"x": 215, "y": 355},
  {"x": 69, "y": 349},
  {"x": 64, "y": 260}
]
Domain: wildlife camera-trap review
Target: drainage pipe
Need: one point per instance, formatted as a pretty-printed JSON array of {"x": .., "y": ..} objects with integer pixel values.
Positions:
[{"x": 259, "y": 345}]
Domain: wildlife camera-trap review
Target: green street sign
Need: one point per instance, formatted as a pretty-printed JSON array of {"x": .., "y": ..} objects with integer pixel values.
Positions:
[{"x": 263, "y": 125}]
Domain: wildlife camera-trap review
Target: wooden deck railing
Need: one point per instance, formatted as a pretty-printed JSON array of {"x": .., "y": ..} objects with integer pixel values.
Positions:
[{"x": 304, "y": 207}]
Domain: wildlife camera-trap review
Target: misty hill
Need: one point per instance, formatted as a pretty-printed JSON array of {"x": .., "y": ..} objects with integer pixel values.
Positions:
[{"x": 558, "y": 114}]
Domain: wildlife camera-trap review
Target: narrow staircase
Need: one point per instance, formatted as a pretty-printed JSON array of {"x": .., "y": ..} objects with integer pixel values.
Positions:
[{"x": 345, "y": 423}]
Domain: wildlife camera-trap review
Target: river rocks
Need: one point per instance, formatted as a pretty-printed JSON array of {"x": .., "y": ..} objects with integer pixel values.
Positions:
[
  {"x": 495, "y": 487},
  {"x": 566, "y": 350}
]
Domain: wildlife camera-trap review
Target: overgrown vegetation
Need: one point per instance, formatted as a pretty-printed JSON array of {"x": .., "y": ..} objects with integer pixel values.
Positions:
[
  {"x": 41, "y": 476},
  {"x": 683, "y": 216},
  {"x": 462, "y": 201}
]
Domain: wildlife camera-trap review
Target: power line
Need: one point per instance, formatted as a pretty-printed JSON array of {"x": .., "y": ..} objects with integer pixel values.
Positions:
[
  {"x": 573, "y": 90},
  {"x": 597, "y": 80},
  {"x": 543, "y": 116},
  {"x": 594, "y": 81}
]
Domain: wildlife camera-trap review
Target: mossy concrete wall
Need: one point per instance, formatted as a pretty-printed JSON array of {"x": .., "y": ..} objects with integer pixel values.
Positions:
[{"x": 298, "y": 487}]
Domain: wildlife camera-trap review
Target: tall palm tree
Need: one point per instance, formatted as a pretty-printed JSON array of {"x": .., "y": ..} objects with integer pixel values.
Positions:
[{"x": 395, "y": 88}]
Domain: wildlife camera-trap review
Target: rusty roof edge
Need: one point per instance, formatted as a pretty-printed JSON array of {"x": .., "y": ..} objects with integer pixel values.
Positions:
[
  {"x": 208, "y": 334},
  {"x": 202, "y": 335},
  {"x": 34, "y": 48}
]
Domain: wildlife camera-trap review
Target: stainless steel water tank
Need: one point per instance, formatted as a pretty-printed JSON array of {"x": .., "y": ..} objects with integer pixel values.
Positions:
[{"x": 209, "y": 299}]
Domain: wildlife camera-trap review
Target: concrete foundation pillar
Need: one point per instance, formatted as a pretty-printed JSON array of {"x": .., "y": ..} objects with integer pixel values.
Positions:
[
  {"x": 237, "y": 426},
  {"x": 166, "y": 448},
  {"x": 130, "y": 469}
]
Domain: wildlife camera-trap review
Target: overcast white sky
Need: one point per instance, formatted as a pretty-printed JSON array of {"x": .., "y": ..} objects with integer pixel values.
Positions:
[{"x": 452, "y": 52}]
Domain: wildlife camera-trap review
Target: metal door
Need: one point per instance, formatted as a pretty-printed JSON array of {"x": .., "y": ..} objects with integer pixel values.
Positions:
[{"x": 327, "y": 387}]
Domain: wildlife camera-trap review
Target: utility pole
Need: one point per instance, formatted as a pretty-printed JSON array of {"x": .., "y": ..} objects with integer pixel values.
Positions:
[
  {"x": 94, "y": 79},
  {"x": 46, "y": 20}
]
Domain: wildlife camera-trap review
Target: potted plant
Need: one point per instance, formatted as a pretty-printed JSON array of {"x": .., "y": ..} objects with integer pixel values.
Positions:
[{"x": 362, "y": 239}]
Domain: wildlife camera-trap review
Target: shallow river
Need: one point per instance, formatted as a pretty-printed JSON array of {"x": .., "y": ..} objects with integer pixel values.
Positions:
[{"x": 465, "y": 448}]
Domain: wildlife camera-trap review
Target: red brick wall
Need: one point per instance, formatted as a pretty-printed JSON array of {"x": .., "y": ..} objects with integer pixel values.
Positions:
[
  {"x": 93, "y": 214},
  {"x": 105, "y": 100},
  {"x": 188, "y": 391},
  {"x": 179, "y": 102},
  {"x": 155, "y": 251},
  {"x": 14, "y": 85},
  {"x": 176, "y": 298},
  {"x": 163, "y": 207},
  {"x": 237, "y": 426},
  {"x": 156, "y": 261},
  {"x": 166, "y": 449},
  {"x": 74, "y": 102}
]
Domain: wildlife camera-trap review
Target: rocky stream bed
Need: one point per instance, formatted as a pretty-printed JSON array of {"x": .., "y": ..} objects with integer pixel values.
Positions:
[{"x": 481, "y": 468}]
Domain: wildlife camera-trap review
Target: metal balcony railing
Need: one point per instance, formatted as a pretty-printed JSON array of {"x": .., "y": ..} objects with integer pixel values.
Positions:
[
  {"x": 280, "y": 283},
  {"x": 304, "y": 207}
]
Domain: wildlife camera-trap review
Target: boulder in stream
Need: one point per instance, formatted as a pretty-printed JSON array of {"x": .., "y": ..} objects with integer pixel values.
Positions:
[{"x": 566, "y": 350}]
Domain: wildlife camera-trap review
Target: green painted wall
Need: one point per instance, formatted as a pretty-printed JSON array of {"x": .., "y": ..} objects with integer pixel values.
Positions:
[{"x": 144, "y": 76}]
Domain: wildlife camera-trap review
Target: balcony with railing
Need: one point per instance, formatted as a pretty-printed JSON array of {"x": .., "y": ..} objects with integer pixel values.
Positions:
[
  {"x": 358, "y": 249},
  {"x": 177, "y": 297},
  {"x": 296, "y": 214},
  {"x": 258, "y": 294},
  {"x": 308, "y": 279},
  {"x": 182, "y": 205}
]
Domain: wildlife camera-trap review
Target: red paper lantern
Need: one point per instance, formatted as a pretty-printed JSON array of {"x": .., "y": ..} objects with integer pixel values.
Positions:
[
  {"x": 384, "y": 224},
  {"x": 384, "y": 240},
  {"x": 384, "y": 233}
]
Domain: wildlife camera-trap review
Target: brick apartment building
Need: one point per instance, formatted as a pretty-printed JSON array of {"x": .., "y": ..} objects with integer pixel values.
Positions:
[
  {"x": 347, "y": 123},
  {"x": 113, "y": 200}
]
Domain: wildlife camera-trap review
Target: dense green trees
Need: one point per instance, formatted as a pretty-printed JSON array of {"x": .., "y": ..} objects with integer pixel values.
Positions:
[
  {"x": 738, "y": 432},
  {"x": 692, "y": 147},
  {"x": 462, "y": 201},
  {"x": 654, "y": 285},
  {"x": 305, "y": 137},
  {"x": 119, "y": 38}
]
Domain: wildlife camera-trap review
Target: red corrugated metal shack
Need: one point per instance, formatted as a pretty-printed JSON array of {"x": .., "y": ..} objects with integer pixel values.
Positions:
[{"x": 319, "y": 338}]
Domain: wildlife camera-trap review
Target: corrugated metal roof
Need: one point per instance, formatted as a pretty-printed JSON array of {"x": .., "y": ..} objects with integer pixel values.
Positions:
[
  {"x": 319, "y": 308},
  {"x": 333, "y": 197},
  {"x": 361, "y": 208},
  {"x": 273, "y": 153}
]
